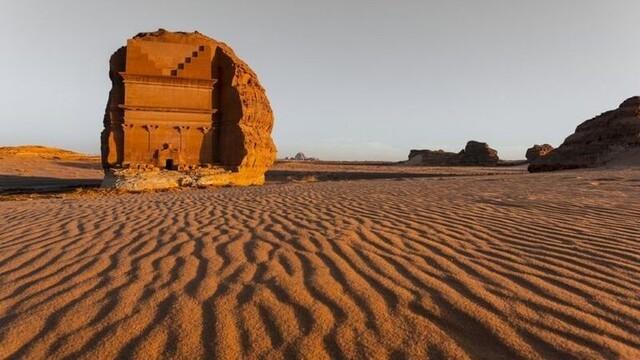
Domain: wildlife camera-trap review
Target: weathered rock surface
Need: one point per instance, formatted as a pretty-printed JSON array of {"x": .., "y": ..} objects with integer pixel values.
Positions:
[
  {"x": 136, "y": 180},
  {"x": 474, "y": 154},
  {"x": 538, "y": 151},
  {"x": 240, "y": 130},
  {"x": 301, "y": 157},
  {"x": 478, "y": 153},
  {"x": 598, "y": 141},
  {"x": 433, "y": 158}
]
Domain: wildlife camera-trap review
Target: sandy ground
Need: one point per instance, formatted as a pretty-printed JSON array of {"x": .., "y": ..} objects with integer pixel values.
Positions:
[
  {"x": 504, "y": 266},
  {"x": 41, "y": 168},
  {"x": 322, "y": 171}
]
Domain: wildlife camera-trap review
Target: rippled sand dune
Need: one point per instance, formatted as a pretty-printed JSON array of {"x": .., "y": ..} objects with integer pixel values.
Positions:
[{"x": 494, "y": 267}]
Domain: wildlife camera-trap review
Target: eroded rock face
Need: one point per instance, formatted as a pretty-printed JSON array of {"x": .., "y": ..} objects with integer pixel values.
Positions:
[
  {"x": 433, "y": 158},
  {"x": 183, "y": 100},
  {"x": 597, "y": 141},
  {"x": 538, "y": 151},
  {"x": 478, "y": 153},
  {"x": 474, "y": 154}
]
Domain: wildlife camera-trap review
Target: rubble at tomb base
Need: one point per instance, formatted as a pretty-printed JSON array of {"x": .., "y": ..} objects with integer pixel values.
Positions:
[
  {"x": 611, "y": 137},
  {"x": 153, "y": 178},
  {"x": 180, "y": 104},
  {"x": 474, "y": 154}
]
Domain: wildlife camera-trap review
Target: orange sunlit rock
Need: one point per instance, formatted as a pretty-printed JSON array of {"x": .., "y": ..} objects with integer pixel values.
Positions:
[{"x": 184, "y": 101}]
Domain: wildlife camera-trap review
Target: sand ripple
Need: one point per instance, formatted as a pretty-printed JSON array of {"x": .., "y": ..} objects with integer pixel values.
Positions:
[{"x": 496, "y": 267}]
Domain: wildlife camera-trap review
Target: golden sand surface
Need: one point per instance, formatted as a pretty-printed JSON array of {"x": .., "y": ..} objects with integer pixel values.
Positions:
[
  {"x": 40, "y": 167},
  {"x": 508, "y": 266}
]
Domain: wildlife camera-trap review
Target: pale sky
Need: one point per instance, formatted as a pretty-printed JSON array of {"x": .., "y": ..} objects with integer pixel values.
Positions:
[{"x": 349, "y": 80}]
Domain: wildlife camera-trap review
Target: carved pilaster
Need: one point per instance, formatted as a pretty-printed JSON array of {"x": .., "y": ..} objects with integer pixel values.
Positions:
[
  {"x": 181, "y": 130},
  {"x": 150, "y": 129}
]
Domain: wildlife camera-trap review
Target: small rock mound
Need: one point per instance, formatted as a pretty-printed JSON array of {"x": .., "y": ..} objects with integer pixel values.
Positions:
[
  {"x": 597, "y": 141},
  {"x": 474, "y": 154},
  {"x": 301, "y": 157},
  {"x": 538, "y": 151}
]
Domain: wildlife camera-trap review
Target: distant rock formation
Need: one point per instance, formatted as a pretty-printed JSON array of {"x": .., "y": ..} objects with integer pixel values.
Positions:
[
  {"x": 474, "y": 154},
  {"x": 597, "y": 141},
  {"x": 433, "y": 158},
  {"x": 182, "y": 101},
  {"x": 301, "y": 157},
  {"x": 478, "y": 153},
  {"x": 538, "y": 151}
]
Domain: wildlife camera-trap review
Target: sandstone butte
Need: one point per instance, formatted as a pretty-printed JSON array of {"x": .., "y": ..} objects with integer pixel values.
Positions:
[
  {"x": 609, "y": 138},
  {"x": 184, "y": 110}
]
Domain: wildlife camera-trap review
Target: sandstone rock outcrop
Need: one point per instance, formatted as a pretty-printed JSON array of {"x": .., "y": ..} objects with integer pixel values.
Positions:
[
  {"x": 538, "y": 151},
  {"x": 181, "y": 101},
  {"x": 433, "y": 158},
  {"x": 478, "y": 153},
  {"x": 597, "y": 141},
  {"x": 301, "y": 157},
  {"x": 474, "y": 154}
]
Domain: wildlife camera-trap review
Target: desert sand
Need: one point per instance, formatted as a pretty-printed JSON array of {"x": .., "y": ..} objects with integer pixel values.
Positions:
[
  {"x": 486, "y": 266},
  {"x": 33, "y": 167}
]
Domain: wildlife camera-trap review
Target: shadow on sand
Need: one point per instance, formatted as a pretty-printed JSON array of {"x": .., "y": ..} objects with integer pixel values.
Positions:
[
  {"x": 81, "y": 164},
  {"x": 15, "y": 184},
  {"x": 295, "y": 175}
]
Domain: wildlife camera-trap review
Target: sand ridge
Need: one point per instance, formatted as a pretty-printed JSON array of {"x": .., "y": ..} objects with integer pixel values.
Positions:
[
  {"x": 33, "y": 167},
  {"x": 493, "y": 267}
]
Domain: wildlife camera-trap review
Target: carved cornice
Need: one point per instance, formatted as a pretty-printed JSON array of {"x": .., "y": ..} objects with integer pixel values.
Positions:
[
  {"x": 172, "y": 81},
  {"x": 167, "y": 109},
  {"x": 152, "y": 125}
]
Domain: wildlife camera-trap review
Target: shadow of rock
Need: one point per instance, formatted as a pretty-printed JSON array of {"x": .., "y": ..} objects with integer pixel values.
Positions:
[{"x": 15, "y": 184}]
